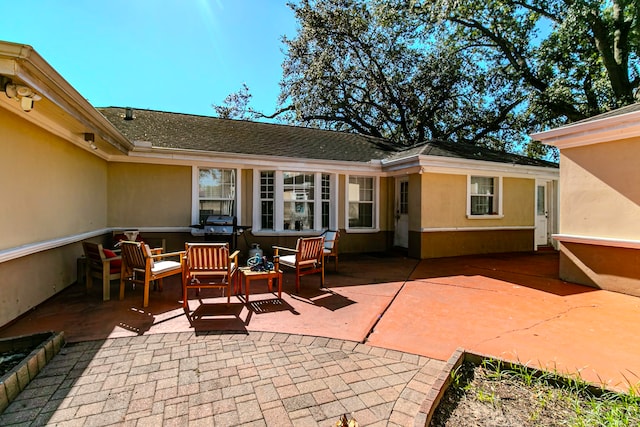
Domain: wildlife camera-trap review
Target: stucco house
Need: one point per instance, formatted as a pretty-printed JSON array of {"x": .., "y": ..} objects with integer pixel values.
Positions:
[
  {"x": 72, "y": 172},
  {"x": 599, "y": 230}
]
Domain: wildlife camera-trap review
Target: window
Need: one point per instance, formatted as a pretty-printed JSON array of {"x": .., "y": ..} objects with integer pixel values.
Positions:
[
  {"x": 484, "y": 196},
  {"x": 294, "y": 201},
  {"x": 216, "y": 192},
  {"x": 326, "y": 200},
  {"x": 361, "y": 193},
  {"x": 298, "y": 200},
  {"x": 267, "y": 197}
]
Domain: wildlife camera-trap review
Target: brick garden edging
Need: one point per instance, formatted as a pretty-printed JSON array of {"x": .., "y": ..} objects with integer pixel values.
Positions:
[{"x": 14, "y": 381}]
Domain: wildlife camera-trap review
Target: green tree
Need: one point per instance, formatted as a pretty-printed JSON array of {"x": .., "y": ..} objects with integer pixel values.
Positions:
[
  {"x": 236, "y": 105},
  {"x": 482, "y": 72}
]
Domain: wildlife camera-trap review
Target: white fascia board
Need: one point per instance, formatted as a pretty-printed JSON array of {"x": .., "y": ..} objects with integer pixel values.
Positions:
[
  {"x": 22, "y": 62},
  {"x": 247, "y": 161},
  {"x": 452, "y": 165},
  {"x": 592, "y": 132}
]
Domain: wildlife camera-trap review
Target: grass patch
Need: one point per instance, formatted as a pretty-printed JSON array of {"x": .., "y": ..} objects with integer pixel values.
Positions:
[{"x": 494, "y": 393}]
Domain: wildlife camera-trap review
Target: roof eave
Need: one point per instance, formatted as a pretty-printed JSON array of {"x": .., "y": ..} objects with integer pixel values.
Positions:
[
  {"x": 22, "y": 62},
  {"x": 592, "y": 132}
]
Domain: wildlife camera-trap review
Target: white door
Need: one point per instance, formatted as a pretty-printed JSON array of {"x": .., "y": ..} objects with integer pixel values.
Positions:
[
  {"x": 542, "y": 213},
  {"x": 401, "y": 235}
]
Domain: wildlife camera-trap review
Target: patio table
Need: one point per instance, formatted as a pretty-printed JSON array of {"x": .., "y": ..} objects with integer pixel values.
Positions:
[{"x": 247, "y": 275}]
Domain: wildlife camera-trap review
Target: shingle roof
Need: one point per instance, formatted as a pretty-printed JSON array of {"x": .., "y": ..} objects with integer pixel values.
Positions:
[
  {"x": 613, "y": 113},
  {"x": 185, "y": 131},
  {"x": 472, "y": 152}
]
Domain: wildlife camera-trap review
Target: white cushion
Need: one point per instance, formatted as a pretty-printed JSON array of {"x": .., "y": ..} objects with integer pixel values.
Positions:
[
  {"x": 163, "y": 266},
  {"x": 289, "y": 260}
]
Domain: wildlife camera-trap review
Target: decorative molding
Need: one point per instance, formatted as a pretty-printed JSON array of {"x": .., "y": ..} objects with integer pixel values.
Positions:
[
  {"x": 595, "y": 240},
  {"x": 33, "y": 248}
]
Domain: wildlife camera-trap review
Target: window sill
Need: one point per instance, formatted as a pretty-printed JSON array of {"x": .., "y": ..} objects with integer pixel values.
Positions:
[
  {"x": 362, "y": 230},
  {"x": 496, "y": 216},
  {"x": 303, "y": 233}
]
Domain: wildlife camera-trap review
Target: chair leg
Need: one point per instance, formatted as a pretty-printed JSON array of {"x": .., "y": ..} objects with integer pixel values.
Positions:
[
  {"x": 122, "y": 286},
  {"x": 106, "y": 285},
  {"x": 322, "y": 276},
  {"x": 145, "y": 301}
]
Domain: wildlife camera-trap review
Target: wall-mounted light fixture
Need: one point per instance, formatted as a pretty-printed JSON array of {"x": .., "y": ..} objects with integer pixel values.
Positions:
[
  {"x": 90, "y": 138},
  {"x": 23, "y": 94}
]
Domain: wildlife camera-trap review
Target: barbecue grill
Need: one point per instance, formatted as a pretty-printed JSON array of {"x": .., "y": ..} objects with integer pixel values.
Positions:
[{"x": 218, "y": 228}]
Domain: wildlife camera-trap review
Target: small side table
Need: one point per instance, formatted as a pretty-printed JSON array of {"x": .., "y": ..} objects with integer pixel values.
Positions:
[{"x": 247, "y": 275}]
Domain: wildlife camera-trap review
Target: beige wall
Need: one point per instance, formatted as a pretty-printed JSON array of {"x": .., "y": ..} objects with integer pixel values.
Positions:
[
  {"x": 50, "y": 188},
  {"x": 602, "y": 267},
  {"x": 444, "y": 202},
  {"x": 141, "y": 195},
  {"x": 600, "y": 190},
  {"x": 443, "y": 199}
]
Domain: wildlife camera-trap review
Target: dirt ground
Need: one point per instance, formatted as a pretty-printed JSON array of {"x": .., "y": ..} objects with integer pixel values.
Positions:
[{"x": 478, "y": 398}]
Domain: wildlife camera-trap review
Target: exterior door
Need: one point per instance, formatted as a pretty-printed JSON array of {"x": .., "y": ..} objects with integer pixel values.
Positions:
[
  {"x": 542, "y": 214},
  {"x": 401, "y": 235}
]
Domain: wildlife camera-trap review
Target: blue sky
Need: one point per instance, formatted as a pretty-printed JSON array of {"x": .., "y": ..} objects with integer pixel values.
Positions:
[{"x": 170, "y": 55}]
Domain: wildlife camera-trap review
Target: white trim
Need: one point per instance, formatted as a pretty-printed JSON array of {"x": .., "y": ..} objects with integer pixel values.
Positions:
[
  {"x": 495, "y": 228},
  {"x": 34, "y": 248},
  {"x": 595, "y": 240},
  {"x": 595, "y": 131},
  {"x": 452, "y": 165},
  {"x": 497, "y": 216}
]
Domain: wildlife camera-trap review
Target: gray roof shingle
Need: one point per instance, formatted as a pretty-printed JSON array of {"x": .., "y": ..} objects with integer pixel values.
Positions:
[
  {"x": 193, "y": 132},
  {"x": 184, "y": 131}
]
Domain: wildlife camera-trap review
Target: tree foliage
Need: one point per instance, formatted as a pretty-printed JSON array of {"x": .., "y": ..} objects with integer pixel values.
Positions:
[
  {"x": 236, "y": 105},
  {"x": 474, "y": 71}
]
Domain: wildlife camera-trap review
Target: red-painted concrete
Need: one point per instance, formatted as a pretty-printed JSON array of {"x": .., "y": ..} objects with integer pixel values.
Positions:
[{"x": 511, "y": 306}]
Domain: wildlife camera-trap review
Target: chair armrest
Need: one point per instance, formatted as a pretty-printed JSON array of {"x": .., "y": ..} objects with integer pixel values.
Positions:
[
  {"x": 168, "y": 254},
  {"x": 285, "y": 249},
  {"x": 234, "y": 254},
  {"x": 115, "y": 258}
]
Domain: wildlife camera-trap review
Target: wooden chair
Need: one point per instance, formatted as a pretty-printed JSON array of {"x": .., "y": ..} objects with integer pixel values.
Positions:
[
  {"x": 308, "y": 258},
  {"x": 208, "y": 265},
  {"x": 102, "y": 264},
  {"x": 141, "y": 264},
  {"x": 331, "y": 238}
]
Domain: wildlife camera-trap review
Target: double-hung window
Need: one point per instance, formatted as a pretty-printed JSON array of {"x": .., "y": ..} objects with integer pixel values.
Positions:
[
  {"x": 484, "y": 196},
  {"x": 216, "y": 192},
  {"x": 295, "y": 201},
  {"x": 362, "y": 196}
]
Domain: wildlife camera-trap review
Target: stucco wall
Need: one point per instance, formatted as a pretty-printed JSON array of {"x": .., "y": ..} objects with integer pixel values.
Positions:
[
  {"x": 444, "y": 202},
  {"x": 142, "y": 195},
  {"x": 443, "y": 206},
  {"x": 50, "y": 188},
  {"x": 602, "y": 267},
  {"x": 600, "y": 190}
]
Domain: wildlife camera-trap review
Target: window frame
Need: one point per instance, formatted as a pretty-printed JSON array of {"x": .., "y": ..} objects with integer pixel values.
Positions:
[
  {"x": 195, "y": 207},
  {"x": 279, "y": 202},
  {"x": 497, "y": 197},
  {"x": 375, "y": 226}
]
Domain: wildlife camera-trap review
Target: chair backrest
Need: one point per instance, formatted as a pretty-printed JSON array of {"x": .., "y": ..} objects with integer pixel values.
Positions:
[
  {"x": 331, "y": 239},
  {"x": 310, "y": 248},
  {"x": 207, "y": 256},
  {"x": 94, "y": 254},
  {"x": 134, "y": 254}
]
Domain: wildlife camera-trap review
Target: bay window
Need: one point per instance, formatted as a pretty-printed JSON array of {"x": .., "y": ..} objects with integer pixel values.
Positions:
[{"x": 294, "y": 201}]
